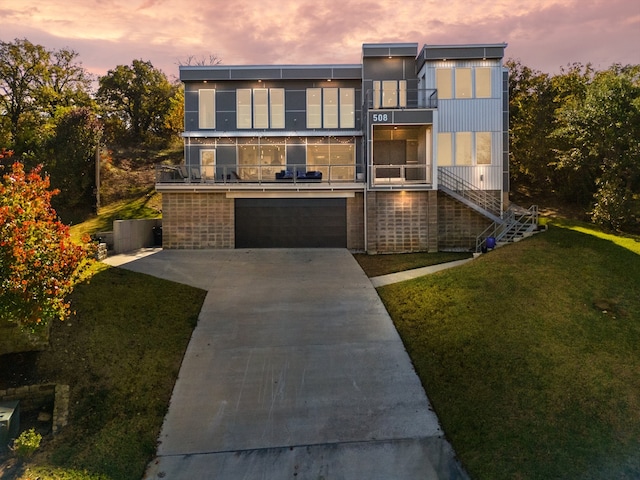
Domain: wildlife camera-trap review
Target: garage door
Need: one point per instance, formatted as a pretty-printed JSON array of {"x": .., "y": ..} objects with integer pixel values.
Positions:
[{"x": 290, "y": 222}]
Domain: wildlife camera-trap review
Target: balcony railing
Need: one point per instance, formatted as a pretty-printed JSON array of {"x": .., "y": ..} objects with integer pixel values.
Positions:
[
  {"x": 384, "y": 175},
  {"x": 394, "y": 99},
  {"x": 258, "y": 174}
]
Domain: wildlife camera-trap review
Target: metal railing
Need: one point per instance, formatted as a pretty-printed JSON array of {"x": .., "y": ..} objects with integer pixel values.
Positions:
[
  {"x": 517, "y": 221},
  {"x": 394, "y": 99},
  {"x": 482, "y": 198},
  {"x": 400, "y": 174},
  {"x": 258, "y": 174}
]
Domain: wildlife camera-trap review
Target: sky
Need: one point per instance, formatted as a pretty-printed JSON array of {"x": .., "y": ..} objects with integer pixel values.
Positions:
[{"x": 545, "y": 35}]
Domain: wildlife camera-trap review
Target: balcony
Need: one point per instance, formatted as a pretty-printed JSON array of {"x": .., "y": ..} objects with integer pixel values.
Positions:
[
  {"x": 401, "y": 175},
  {"x": 425, "y": 98},
  {"x": 320, "y": 176}
]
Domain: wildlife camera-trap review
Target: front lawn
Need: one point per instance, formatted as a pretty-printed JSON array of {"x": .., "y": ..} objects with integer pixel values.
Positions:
[
  {"x": 530, "y": 355},
  {"x": 120, "y": 355}
]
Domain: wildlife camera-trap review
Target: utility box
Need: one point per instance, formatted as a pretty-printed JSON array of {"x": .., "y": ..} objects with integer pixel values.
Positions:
[{"x": 9, "y": 423}]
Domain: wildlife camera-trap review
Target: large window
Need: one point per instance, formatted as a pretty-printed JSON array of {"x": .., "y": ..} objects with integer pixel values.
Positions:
[
  {"x": 466, "y": 148},
  {"x": 207, "y": 108},
  {"x": 260, "y": 161},
  {"x": 260, "y": 108},
  {"x": 463, "y": 82},
  {"x": 334, "y": 158},
  {"x": 389, "y": 94},
  {"x": 330, "y": 108},
  {"x": 207, "y": 164}
]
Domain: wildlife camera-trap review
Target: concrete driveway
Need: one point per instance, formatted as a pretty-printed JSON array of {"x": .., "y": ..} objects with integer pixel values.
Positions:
[{"x": 294, "y": 370}]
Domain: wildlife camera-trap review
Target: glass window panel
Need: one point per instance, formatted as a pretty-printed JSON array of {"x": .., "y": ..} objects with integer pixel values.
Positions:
[
  {"x": 443, "y": 83},
  {"x": 347, "y": 108},
  {"x": 207, "y": 164},
  {"x": 207, "y": 108},
  {"x": 342, "y": 160},
  {"x": 248, "y": 168},
  {"x": 330, "y": 107},
  {"x": 390, "y": 93},
  {"x": 483, "y": 83},
  {"x": 463, "y": 83},
  {"x": 260, "y": 108},
  {"x": 314, "y": 108},
  {"x": 272, "y": 160},
  {"x": 402, "y": 92},
  {"x": 243, "y": 107},
  {"x": 445, "y": 158},
  {"x": 376, "y": 94},
  {"x": 483, "y": 148},
  {"x": 276, "y": 97},
  {"x": 318, "y": 159},
  {"x": 463, "y": 148}
]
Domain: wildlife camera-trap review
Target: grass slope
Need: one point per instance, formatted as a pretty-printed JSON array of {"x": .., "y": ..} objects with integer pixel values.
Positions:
[
  {"x": 120, "y": 355},
  {"x": 531, "y": 355}
]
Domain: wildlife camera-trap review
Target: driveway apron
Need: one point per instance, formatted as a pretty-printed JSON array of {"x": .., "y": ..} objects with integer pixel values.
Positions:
[{"x": 294, "y": 370}]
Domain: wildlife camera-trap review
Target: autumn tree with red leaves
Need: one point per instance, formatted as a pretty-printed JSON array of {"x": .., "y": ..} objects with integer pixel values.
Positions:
[{"x": 39, "y": 262}]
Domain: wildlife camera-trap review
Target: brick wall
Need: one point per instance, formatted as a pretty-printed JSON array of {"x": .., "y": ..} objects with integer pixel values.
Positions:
[
  {"x": 402, "y": 221},
  {"x": 355, "y": 222},
  {"x": 35, "y": 397},
  {"x": 197, "y": 220},
  {"x": 458, "y": 225}
]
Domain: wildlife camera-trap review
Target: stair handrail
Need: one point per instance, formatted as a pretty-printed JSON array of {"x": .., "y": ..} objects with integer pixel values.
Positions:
[
  {"x": 515, "y": 216},
  {"x": 471, "y": 192}
]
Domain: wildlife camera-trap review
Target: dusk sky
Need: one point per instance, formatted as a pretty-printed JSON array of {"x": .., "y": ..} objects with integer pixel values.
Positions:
[{"x": 543, "y": 34}]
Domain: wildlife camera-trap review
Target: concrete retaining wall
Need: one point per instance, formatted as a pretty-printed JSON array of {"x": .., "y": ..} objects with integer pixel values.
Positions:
[{"x": 131, "y": 235}]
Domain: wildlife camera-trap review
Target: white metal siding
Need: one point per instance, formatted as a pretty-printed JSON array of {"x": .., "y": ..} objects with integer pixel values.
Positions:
[{"x": 483, "y": 177}]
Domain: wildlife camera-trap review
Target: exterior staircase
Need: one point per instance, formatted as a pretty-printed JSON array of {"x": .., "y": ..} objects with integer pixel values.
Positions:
[{"x": 507, "y": 226}]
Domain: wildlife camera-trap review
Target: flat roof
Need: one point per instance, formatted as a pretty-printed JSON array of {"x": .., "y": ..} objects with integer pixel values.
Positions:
[{"x": 270, "y": 72}]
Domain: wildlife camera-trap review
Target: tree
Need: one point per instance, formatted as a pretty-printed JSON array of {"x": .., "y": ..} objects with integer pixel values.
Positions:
[
  {"x": 531, "y": 117},
  {"x": 34, "y": 82},
  {"x": 72, "y": 157},
  {"x": 140, "y": 96},
  {"x": 23, "y": 66},
  {"x": 39, "y": 263},
  {"x": 600, "y": 131}
]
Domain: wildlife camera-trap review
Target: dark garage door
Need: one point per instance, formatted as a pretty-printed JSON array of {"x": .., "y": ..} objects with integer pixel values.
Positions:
[{"x": 290, "y": 222}]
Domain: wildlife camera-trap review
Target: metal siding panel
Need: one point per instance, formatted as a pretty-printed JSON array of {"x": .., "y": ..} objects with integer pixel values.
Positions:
[{"x": 470, "y": 115}]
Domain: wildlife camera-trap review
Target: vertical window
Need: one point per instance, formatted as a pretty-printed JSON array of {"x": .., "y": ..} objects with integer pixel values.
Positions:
[
  {"x": 463, "y": 148},
  {"x": 207, "y": 108},
  {"x": 463, "y": 83},
  {"x": 376, "y": 94},
  {"x": 445, "y": 151},
  {"x": 347, "y": 108},
  {"x": 276, "y": 98},
  {"x": 330, "y": 107},
  {"x": 243, "y": 107},
  {"x": 260, "y": 108},
  {"x": 483, "y": 82},
  {"x": 314, "y": 108},
  {"x": 207, "y": 164},
  {"x": 402, "y": 93},
  {"x": 483, "y": 148},
  {"x": 389, "y": 93},
  {"x": 443, "y": 83}
]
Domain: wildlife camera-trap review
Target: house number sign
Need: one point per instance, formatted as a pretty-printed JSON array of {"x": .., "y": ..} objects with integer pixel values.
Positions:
[{"x": 381, "y": 117}]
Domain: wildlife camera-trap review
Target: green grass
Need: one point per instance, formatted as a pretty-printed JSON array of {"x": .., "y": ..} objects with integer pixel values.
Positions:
[
  {"x": 146, "y": 206},
  {"x": 120, "y": 355},
  {"x": 530, "y": 355},
  {"x": 375, "y": 265}
]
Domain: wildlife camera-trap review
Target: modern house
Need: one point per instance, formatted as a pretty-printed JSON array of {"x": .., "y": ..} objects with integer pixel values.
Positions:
[{"x": 407, "y": 151}]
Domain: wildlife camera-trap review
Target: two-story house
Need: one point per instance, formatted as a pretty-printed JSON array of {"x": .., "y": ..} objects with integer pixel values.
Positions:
[{"x": 407, "y": 151}]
